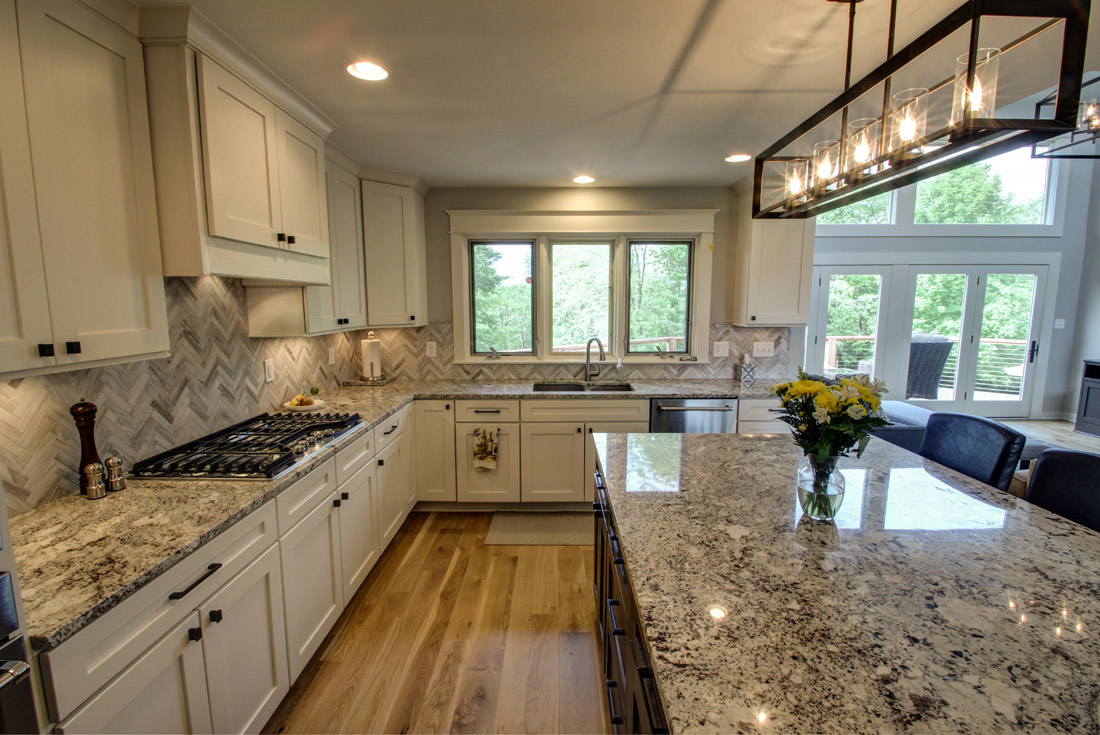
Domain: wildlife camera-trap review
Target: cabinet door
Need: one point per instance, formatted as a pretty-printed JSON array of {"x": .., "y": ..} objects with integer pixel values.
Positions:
[
  {"x": 435, "y": 450},
  {"x": 392, "y": 481},
  {"x": 24, "y": 309},
  {"x": 244, "y": 644},
  {"x": 780, "y": 270},
  {"x": 358, "y": 540},
  {"x": 590, "y": 449},
  {"x": 409, "y": 416},
  {"x": 84, "y": 82},
  {"x": 346, "y": 298},
  {"x": 487, "y": 486},
  {"x": 313, "y": 586},
  {"x": 239, "y": 157},
  {"x": 302, "y": 186},
  {"x": 390, "y": 243},
  {"x": 552, "y": 462},
  {"x": 164, "y": 691}
]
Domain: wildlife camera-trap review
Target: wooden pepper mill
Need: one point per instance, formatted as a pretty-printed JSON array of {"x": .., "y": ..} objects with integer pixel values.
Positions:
[{"x": 84, "y": 415}]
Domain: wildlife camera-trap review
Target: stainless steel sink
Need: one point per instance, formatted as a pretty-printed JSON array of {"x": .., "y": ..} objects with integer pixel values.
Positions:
[{"x": 581, "y": 387}]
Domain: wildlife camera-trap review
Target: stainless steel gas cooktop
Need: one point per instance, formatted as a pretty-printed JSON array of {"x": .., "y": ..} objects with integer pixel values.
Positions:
[{"x": 261, "y": 448}]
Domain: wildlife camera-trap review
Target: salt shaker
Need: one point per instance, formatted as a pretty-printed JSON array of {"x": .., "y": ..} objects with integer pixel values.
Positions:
[
  {"x": 93, "y": 477},
  {"x": 115, "y": 480}
]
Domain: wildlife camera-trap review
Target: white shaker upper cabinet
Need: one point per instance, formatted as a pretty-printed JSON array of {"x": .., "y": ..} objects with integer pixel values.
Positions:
[
  {"x": 393, "y": 240},
  {"x": 302, "y": 186},
  {"x": 84, "y": 89},
  {"x": 343, "y": 305}
]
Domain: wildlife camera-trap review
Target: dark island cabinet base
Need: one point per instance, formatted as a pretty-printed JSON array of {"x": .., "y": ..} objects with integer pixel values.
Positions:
[
  {"x": 1088, "y": 405},
  {"x": 633, "y": 698}
]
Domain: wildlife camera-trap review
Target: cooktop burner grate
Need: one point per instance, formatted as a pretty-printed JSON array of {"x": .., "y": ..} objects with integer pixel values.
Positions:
[{"x": 261, "y": 447}]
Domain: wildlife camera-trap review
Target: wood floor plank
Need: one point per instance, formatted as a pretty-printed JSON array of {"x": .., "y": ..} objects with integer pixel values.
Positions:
[{"x": 449, "y": 635}]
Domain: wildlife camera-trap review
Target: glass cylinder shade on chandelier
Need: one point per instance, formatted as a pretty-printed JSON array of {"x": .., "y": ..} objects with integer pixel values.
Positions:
[
  {"x": 908, "y": 121},
  {"x": 826, "y": 163},
  {"x": 1089, "y": 117},
  {"x": 797, "y": 180},
  {"x": 862, "y": 148},
  {"x": 981, "y": 102}
]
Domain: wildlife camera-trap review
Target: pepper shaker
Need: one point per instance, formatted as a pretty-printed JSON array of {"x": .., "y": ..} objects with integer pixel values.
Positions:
[
  {"x": 83, "y": 414},
  {"x": 115, "y": 480},
  {"x": 92, "y": 479}
]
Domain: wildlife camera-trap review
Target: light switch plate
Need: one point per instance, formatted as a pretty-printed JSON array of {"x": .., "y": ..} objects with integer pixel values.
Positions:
[
  {"x": 269, "y": 370},
  {"x": 331, "y": 355},
  {"x": 721, "y": 349},
  {"x": 763, "y": 349},
  {"x": 1059, "y": 323},
  {"x": 429, "y": 349}
]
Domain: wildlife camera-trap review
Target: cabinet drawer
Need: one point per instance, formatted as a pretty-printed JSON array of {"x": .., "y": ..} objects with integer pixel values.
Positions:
[
  {"x": 296, "y": 502},
  {"x": 77, "y": 668},
  {"x": 565, "y": 409},
  {"x": 390, "y": 428},
  {"x": 492, "y": 411},
  {"x": 354, "y": 457},
  {"x": 757, "y": 409},
  {"x": 762, "y": 427}
]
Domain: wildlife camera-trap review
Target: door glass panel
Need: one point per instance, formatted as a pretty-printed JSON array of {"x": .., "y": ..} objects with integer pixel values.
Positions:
[
  {"x": 937, "y": 331},
  {"x": 1003, "y": 345},
  {"x": 851, "y": 328}
]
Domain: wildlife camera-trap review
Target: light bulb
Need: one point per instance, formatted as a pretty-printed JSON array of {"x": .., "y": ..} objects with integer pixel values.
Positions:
[
  {"x": 825, "y": 168},
  {"x": 976, "y": 95},
  {"x": 795, "y": 184},
  {"x": 863, "y": 151},
  {"x": 907, "y": 130}
]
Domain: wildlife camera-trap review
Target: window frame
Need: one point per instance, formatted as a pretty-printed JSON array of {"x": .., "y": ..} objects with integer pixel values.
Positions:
[
  {"x": 693, "y": 225},
  {"x": 614, "y": 246},
  {"x": 534, "y": 295},
  {"x": 688, "y": 336}
]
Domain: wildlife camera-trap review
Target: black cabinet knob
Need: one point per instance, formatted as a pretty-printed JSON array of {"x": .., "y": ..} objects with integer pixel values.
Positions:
[
  {"x": 578, "y": 429},
  {"x": 194, "y": 634},
  {"x": 290, "y": 239},
  {"x": 447, "y": 407},
  {"x": 73, "y": 348},
  {"x": 45, "y": 350},
  {"x": 753, "y": 318},
  {"x": 343, "y": 496},
  {"x": 215, "y": 616},
  {"x": 412, "y": 318},
  {"x": 281, "y": 237},
  {"x": 336, "y": 503},
  {"x": 381, "y": 462}
]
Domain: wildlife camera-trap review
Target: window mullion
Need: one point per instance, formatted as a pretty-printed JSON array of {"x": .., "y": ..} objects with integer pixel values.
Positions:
[{"x": 544, "y": 297}]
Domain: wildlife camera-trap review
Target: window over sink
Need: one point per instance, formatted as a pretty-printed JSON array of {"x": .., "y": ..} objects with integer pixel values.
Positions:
[{"x": 536, "y": 287}]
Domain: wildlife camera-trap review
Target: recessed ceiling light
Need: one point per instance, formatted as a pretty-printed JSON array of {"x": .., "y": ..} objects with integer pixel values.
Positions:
[
  {"x": 583, "y": 180},
  {"x": 738, "y": 157},
  {"x": 367, "y": 70}
]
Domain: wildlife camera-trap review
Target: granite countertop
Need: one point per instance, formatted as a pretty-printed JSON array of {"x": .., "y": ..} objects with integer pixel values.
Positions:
[
  {"x": 78, "y": 558},
  {"x": 935, "y": 603}
]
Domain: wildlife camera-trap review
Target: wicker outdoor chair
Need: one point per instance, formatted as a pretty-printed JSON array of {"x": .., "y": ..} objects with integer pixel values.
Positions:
[{"x": 927, "y": 357}]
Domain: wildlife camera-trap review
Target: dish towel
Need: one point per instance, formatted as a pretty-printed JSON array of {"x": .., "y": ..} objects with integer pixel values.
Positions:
[{"x": 486, "y": 447}]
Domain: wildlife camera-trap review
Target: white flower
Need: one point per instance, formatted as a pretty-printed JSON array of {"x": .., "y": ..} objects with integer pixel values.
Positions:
[
  {"x": 857, "y": 411},
  {"x": 821, "y": 415}
]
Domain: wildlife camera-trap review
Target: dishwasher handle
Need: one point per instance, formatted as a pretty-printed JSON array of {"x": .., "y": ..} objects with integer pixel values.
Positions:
[{"x": 722, "y": 409}]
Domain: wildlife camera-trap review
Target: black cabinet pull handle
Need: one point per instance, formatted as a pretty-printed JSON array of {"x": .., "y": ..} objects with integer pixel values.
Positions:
[
  {"x": 486, "y": 410},
  {"x": 194, "y": 634},
  {"x": 616, "y": 718},
  {"x": 412, "y": 318},
  {"x": 73, "y": 348},
  {"x": 344, "y": 496},
  {"x": 215, "y": 616},
  {"x": 616, "y": 629},
  {"x": 290, "y": 239},
  {"x": 45, "y": 350},
  {"x": 589, "y": 429},
  {"x": 578, "y": 430},
  {"x": 209, "y": 570},
  {"x": 753, "y": 318},
  {"x": 381, "y": 462},
  {"x": 281, "y": 237},
  {"x": 447, "y": 407},
  {"x": 336, "y": 503},
  {"x": 392, "y": 429}
]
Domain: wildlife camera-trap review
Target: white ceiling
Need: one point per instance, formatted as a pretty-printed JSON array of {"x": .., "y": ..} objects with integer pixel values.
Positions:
[{"x": 535, "y": 92}]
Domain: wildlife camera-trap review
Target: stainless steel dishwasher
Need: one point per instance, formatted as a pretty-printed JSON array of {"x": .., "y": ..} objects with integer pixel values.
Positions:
[{"x": 693, "y": 415}]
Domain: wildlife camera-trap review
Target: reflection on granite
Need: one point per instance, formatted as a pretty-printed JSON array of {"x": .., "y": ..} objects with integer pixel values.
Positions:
[
  {"x": 78, "y": 558},
  {"x": 936, "y": 604}
]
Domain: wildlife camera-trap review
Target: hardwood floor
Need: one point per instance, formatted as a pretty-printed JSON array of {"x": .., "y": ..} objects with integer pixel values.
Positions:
[
  {"x": 1058, "y": 434},
  {"x": 450, "y": 635}
]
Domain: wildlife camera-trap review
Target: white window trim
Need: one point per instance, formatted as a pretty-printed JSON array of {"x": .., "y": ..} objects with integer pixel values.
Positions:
[
  {"x": 903, "y": 205},
  {"x": 546, "y": 226}
]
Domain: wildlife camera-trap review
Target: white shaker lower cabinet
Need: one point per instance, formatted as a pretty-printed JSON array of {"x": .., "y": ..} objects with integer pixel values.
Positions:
[
  {"x": 552, "y": 467},
  {"x": 500, "y": 485},
  {"x": 435, "y": 450},
  {"x": 164, "y": 691},
  {"x": 359, "y": 548},
  {"x": 393, "y": 487},
  {"x": 756, "y": 416},
  {"x": 313, "y": 585},
  {"x": 244, "y": 644}
]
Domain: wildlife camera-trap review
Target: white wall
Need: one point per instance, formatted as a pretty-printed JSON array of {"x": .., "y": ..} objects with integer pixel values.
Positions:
[
  {"x": 1086, "y": 325},
  {"x": 565, "y": 199},
  {"x": 1076, "y": 179}
]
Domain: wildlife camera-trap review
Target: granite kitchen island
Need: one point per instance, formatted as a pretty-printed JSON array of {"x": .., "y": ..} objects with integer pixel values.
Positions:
[{"x": 934, "y": 604}]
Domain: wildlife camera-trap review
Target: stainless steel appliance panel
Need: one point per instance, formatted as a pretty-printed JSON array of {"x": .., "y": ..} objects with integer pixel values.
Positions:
[{"x": 693, "y": 415}]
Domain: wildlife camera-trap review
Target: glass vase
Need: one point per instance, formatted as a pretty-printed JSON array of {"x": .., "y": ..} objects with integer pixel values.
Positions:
[{"x": 820, "y": 487}]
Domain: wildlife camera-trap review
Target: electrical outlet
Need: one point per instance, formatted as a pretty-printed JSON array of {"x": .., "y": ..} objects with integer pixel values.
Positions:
[
  {"x": 763, "y": 349},
  {"x": 269, "y": 370},
  {"x": 331, "y": 355},
  {"x": 721, "y": 349},
  {"x": 429, "y": 349},
  {"x": 1059, "y": 323}
]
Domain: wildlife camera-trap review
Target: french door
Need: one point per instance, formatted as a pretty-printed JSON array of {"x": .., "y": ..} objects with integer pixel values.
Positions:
[
  {"x": 849, "y": 321},
  {"x": 973, "y": 335}
]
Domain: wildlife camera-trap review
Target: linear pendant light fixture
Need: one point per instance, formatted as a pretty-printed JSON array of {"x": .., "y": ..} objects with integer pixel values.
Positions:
[
  {"x": 840, "y": 155},
  {"x": 1073, "y": 144}
]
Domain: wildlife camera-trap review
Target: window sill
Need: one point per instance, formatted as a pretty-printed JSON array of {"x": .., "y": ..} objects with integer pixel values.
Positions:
[{"x": 577, "y": 362}]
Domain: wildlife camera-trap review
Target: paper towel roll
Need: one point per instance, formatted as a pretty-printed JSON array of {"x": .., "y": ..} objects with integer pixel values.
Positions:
[{"x": 371, "y": 351}]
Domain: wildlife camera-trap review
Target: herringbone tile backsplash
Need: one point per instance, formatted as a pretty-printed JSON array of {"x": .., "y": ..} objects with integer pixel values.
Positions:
[{"x": 215, "y": 377}]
